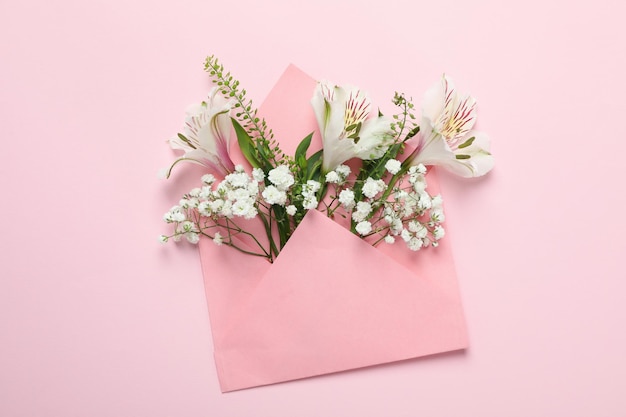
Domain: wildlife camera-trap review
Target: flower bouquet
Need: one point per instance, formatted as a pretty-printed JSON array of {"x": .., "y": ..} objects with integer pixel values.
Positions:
[{"x": 317, "y": 235}]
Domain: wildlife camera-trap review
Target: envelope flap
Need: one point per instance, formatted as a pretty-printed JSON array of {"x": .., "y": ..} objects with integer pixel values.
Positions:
[{"x": 332, "y": 302}]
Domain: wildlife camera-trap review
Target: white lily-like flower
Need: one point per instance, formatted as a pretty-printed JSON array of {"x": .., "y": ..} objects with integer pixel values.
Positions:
[
  {"x": 347, "y": 130},
  {"x": 446, "y": 135},
  {"x": 207, "y": 135}
]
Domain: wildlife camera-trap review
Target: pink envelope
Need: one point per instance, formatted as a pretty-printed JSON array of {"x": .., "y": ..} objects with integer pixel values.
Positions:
[{"x": 330, "y": 302}]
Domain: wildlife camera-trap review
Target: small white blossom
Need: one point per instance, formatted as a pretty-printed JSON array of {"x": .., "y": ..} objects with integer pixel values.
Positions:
[
  {"x": 291, "y": 210},
  {"x": 208, "y": 179},
  {"x": 333, "y": 178},
  {"x": 217, "y": 239},
  {"x": 239, "y": 194},
  {"x": 314, "y": 186},
  {"x": 405, "y": 235},
  {"x": 273, "y": 195},
  {"x": 363, "y": 209},
  {"x": 437, "y": 215},
  {"x": 373, "y": 187},
  {"x": 396, "y": 226},
  {"x": 192, "y": 237},
  {"x": 390, "y": 239},
  {"x": 310, "y": 203},
  {"x": 437, "y": 201},
  {"x": 343, "y": 171},
  {"x": 205, "y": 192},
  {"x": 438, "y": 232},
  {"x": 418, "y": 169},
  {"x": 363, "y": 228},
  {"x": 281, "y": 177},
  {"x": 204, "y": 208},
  {"x": 424, "y": 202},
  {"x": 393, "y": 166},
  {"x": 188, "y": 226},
  {"x": 414, "y": 244},
  {"x": 183, "y": 203},
  {"x": 216, "y": 205},
  {"x": 239, "y": 168},
  {"x": 253, "y": 188},
  {"x": 163, "y": 239},
  {"x": 346, "y": 198},
  {"x": 237, "y": 179},
  {"x": 226, "y": 210},
  {"x": 244, "y": 208},
  {"x": 258, "y": 175},
  {"x": 174, "y": 215}
]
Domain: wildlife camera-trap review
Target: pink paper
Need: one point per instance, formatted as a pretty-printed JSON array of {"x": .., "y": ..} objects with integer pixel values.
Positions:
[{"x": 330, "y": 302}]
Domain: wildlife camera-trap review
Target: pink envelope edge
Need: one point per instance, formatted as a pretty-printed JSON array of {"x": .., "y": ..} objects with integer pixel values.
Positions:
[{"x": 278, "y": 322}]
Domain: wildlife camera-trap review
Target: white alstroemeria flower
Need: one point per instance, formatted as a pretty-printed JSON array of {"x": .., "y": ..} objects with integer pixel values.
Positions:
[
  {"x": 347, "y": 132},
  {"x": 446, "y": 137},
  {"x": 207, "y": 135}
]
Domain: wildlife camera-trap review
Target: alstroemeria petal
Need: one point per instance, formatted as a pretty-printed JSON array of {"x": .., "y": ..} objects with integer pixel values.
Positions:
[
  {"x": 207, "y": 133},
  {"x": 342, "y": 116}
]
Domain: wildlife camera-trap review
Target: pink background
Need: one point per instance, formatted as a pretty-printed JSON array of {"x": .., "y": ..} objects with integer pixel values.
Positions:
[{"x": 98, "y": 319}]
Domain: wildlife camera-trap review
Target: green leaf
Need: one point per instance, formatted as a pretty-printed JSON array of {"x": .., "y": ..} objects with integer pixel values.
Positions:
[
  {"x": 314, "y": 165},
  {"x": 467, "y": 142},
  {"x": 300, "y": 155},
  {"x": 245, "y": 144},
  {"x": 412, "y": 133}
]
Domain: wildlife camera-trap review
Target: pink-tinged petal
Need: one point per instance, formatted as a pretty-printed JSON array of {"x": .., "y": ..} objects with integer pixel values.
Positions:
[
  {"x": 207, "y": 133},
  {"x": 471, "y": 161}
]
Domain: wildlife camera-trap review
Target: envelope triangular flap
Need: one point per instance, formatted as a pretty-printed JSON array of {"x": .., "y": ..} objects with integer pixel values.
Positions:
[{"x": 332, "y": 302}]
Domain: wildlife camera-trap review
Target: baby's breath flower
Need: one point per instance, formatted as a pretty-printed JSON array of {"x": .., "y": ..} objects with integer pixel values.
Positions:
[
  {"x": 281, "y": 177},
  {"x": 373, "y": 187},
  {"x": 163, "y": 239},
  {"x": 204, "y": 208},
  {"x": 363, "y": 209},
  {"x": 363, "y": 227},
  {"x": 414, "y": 244},
  {"x": 273, "y": 195},
  {"x": 346, "y": 198},
  {"x": 291, "y": 210},
  {"x": 390, "y": 239},
  {"x": 343, "y": 171},
  {"x": 244, "y": 208},
  {"x": 424, "y": 202},
  {"x": 313, "y": 186},
  {"x": 258, "y": 175},
  {"x": 310, "y": 202},
  {"x": 393, "y": 166},
  {"x": 333, "y": 178},
  {"x": 188, "y": 226},
  {"x": 217, "y": 239},
  {"x": 437, "y": 201},
  {"x": 226, "y": 210},
  {"x": 192, "y": 237},
  {"x": 208, "y": 179},
  {"x": 437, "y": 216},
  {"x": 237, "y": 179},
  {"x": 438, "y": 232}
]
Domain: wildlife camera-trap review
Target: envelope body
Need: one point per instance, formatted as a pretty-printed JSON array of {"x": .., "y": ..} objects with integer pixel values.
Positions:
[{"x": 330, "y": 302}]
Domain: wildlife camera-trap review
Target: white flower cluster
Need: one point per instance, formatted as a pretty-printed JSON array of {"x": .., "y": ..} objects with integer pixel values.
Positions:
[
  {"x": 407, "y": 210},
  {"x": 235, "y": 196},
  {"x": 239, "y": 195}
]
